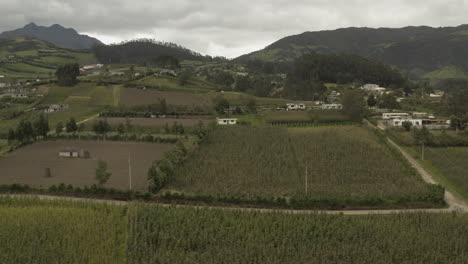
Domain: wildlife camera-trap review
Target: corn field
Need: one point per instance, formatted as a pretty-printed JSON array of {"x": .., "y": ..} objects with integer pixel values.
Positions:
[
  {"x": 346, "y": 163},
  {"x": 34, "y": 231},
  {"x": 189, "y": 235}
]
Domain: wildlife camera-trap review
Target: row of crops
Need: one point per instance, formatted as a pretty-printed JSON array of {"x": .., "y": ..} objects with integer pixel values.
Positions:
[
  {"x": 326, "y": 167},
  {"x": 39, "y": 232}
]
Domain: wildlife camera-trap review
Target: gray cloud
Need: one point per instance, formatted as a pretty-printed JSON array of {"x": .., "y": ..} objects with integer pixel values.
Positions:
[{"x": 227, "y": 28}]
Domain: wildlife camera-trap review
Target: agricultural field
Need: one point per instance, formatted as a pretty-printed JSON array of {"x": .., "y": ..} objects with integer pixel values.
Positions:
[
  {"x": 452, "y": 164},
  {"x": 220, "y": 236},
  {"x": 44, "y": 232},
  {"x": 317, "y": 116},
  {"x": 346, "y": 165},
  {"x": 133, "y": 96},
  {"x": 28, "y": 164},
  {"x": 33, "y": 58},
  {"x": 171, "y": 84},
  {"x": 144, "y": 233},
  {"x": 156, "y": 122}
]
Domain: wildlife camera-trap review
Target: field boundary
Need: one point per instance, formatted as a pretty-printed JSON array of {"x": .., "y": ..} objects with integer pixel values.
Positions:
[{"x": 236, "y": 208}]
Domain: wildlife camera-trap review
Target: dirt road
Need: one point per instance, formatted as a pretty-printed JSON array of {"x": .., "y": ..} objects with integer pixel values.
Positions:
[{"x": 258, "y": 210}]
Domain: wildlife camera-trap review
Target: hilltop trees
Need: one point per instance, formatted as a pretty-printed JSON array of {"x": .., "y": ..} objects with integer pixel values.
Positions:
[
  {"x": 41, "y": 126},
  {"x": 66, "y": 74},
  {"x": 71, "y": 126}
]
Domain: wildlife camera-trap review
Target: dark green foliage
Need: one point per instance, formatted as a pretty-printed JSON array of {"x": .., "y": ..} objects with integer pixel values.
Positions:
[
  {"x": 251, "y": 105},
  {"x": 407, "y": 125},
  {"x": 220, "y": 104},
  {"x": 101, "y": 127},
  {"x": 71, "y": 126},
  {"x": 354, "y": 105},
  {"x": 41, "y": 126},
  {"x": 185, "y": 77},
  {"x": 389, "y": 101},
  {"x": 66, "y": 74},
  {"x": 243, "y": 83},
  {"x": 147, "y": 51},
  {"x": 25, "y": 132},
  {"x": 59, "y": 128},
  {"x": 371, "y": 101},
  {"x": 102, "y": 176},
  {"x": 223, "y": 78}
]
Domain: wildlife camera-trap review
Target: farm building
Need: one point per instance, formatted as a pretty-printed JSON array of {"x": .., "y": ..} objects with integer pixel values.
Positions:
[
  {"x": 395, "y": 116},
  {"x": 295, "y": 107},
  {"x": 331, "y": 107},
  {"x": 373, "y": 88},
  {"x": 414, "y": 122},
  {"x": 74, "y": 153},
  {"x": 56, "y": 107},
  {"x": 226, "y": 121}
]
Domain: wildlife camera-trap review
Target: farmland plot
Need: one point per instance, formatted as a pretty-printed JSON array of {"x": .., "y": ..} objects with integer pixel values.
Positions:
[
  {"x": 28, "y": 164},
  {"x": 175, "y": 235},
  {"x": 155, "y": 122},
  {"x": 42, "y": 232},
  {"x": 133, "y": 96},
  {"x": 347, "y": 165}
]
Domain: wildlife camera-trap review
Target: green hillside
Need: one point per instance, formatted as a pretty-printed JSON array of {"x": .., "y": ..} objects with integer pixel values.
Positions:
[
  {"x": 414, "y": 50},
  {"x": 31, "y": 58}
]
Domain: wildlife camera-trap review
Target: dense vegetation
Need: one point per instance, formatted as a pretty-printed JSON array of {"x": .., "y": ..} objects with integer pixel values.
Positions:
[
  {"x": 346, "y": 166},
  {"x": 60, "y": 232},
  {"x": 407, "y": 48},
  {"x": 144, "y": 51},
  {"x": 64, "y": 232}
]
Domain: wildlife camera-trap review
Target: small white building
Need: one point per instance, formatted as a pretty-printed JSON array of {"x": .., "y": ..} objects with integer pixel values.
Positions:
[
  {"x": 226, "y": 121},
  {"x": 69, "y": 153},
  {"x": 20, "y": 96},
  {"x": 56, "y": 108},
  {"x": 414, "y": 122},
  {"x": 331, "y": 107},
  {"x": 295, "y": 107},
  {"x": 373, "y": 88},
  {"x": 387, "y": 116}
]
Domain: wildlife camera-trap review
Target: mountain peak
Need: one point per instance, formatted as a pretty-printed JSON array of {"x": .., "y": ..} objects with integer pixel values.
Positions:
[
  {"x": 31, "y": 25},
  {"x": 55, "y": 34}
]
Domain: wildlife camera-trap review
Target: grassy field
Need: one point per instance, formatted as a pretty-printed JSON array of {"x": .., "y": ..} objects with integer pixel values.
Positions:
[
  {"x": 195, "y": 85},
  {"x": 343, "y": 164},
  {"x": 84, "y": 100},
  {"x": 27, "y": 165},
  {"x": 32, "y": 58},
  {"x": 452, "y": 164},
  {"x": 156, "y": 123},
  {"x": 77, "y": 233},
  {"x": 133, "y": 96},
  {"x": 42, "y": 232}
]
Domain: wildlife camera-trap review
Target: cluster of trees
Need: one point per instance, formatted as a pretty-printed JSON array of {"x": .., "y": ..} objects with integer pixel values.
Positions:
[
  {"x": 310, "y": 71},
  {"x": 66, "y": 74},
  {"x": 388, "y": 101},
  {"x": 457, "y": 106},
  {"x": 221, "y": 104},
  {"x": 27, "y": 131},
  {"x": 147, "y": 51},
  {"x": 354, "y": 105}
]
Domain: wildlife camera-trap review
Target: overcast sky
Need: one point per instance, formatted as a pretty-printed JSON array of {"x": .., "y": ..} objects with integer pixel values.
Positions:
[{"x": 225, "y": 27}]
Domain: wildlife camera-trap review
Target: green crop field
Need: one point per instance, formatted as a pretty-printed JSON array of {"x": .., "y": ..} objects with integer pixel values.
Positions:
[
  {"x": 32, "y": 58},
  {"x": 452, "y": 164},
  {"x": 346, "y": 165},
  {"x": 41, "y": 232},
  {"x": 195, "y": 85},
  {"x": 34, "y": 231}
]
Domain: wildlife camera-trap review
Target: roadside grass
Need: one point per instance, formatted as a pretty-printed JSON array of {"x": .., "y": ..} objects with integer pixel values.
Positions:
[{"x": 448, "y": 165}]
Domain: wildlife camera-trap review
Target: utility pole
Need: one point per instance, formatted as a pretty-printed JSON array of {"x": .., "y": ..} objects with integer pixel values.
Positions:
[
  {"x": 422, "y": 154},
  {"x": 306, "y": 181},
  {"x": 129, "y": 172}
]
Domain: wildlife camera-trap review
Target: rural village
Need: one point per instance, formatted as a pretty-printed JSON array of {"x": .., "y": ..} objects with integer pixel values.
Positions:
[{"x": 248, "y": 150}]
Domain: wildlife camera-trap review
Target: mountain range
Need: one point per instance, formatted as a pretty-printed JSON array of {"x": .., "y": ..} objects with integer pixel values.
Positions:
[
  {"x": 56, "y": 34},
  {"x": 417, "y": 51}
]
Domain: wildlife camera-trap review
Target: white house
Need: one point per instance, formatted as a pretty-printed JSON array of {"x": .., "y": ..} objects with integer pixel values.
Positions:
[
  {"x": 414, "y": 122},
  {"x": 69, "y": 153},
  {"x": 226, "y": 121},
  {"x": 56, "y": 107},
  {"x": 295, "y": 107},
  {"x": 435, "y": 95},
  {"x": 331, "y": 107},
  {"x": 373, "y": 88},
  {"x": 395, "y": 116},
  {"x": 20, "y": 96}
]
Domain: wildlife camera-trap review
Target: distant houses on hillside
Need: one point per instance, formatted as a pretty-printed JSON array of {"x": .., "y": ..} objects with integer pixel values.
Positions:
[
  {"x": 373, "y": 89},
  {"x": 56, "y": 108}
]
